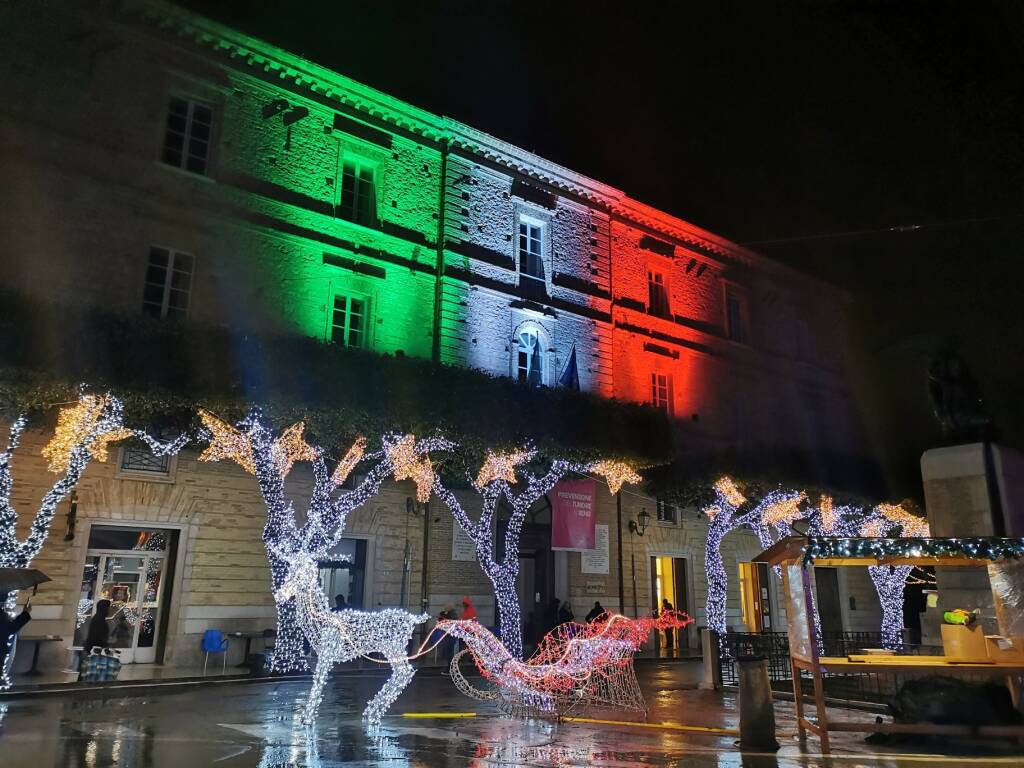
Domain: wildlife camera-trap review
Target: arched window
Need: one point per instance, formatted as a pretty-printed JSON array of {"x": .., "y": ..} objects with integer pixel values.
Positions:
[{"x": 530, "y": 357}]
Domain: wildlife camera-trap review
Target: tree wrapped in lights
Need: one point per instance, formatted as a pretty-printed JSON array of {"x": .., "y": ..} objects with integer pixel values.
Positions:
[
  {"x": 495, "y": 480},
  {"x": 777, "y": 508},
  {"x": 84, "y": 432},
  {"x": 890, "y": 580},
  {"x": 254, "y": 446}
]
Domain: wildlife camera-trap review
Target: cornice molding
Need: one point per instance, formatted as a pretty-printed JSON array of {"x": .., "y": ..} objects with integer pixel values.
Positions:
[{"x": 303, "y": 75}]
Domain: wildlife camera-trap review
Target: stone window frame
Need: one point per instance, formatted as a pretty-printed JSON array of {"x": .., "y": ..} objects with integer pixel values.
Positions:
[
  {"x": 178, "y": 85},
  {"x": 368, "y": 316},
  {"x": 655, "y": 269},
  {"x": 122, "y": 473},
  {"x": 363, "y": 160},
  {"x": 172, "y": 253},
  {"x": 531, "y": 215},
  {"x": 543, "y": 339},
  {"x": 669, "y": 405},
  {"x": 737, "y": 292},
  {"x": 677, "y": 514}
]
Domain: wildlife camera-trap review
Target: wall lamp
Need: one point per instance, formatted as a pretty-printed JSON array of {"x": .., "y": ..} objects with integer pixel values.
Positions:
[{"x": 639, "y": 525}]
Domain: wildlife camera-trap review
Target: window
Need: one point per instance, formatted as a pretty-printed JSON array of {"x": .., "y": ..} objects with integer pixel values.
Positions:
[
  {"x": 189, "y": 130},
  {"x": 531, "y": 259},
  {"x": 349, "y": 321},
  {"x": 667, "y": 513},
  {"x": 736, "y": 315},
  {"x": 139, "y": 458},
  {"x": 168, "y": 284},
  {"x": 657, "y": 294},
  {"x": 661, "y": 392},
  {"x": 530, "y": 358},
  {"x": 358, "y": 199}
]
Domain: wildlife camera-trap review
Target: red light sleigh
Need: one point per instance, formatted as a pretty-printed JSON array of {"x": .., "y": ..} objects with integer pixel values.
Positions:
[{"x": 576, "y": 666}]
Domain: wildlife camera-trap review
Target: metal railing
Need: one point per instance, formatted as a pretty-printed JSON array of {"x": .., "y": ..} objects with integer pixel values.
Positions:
[{"x": 853, "y": 687}]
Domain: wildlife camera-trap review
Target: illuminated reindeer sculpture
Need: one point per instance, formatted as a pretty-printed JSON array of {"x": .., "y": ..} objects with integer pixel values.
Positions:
[{"x": 344, "y": 635}]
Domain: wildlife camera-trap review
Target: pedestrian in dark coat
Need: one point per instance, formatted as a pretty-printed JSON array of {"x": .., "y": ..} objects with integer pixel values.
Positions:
[
  {"x": 9, "y": 627},
  {"x": 99, "y": 630},
  {"x": 596, "y": 611}
]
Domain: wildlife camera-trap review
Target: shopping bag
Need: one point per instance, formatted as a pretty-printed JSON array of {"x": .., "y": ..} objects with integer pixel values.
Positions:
[{"x": 99, "y": 667}]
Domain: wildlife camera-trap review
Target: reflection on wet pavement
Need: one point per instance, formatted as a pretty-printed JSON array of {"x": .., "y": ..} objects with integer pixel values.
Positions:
[{"x": 238, "y": 726}]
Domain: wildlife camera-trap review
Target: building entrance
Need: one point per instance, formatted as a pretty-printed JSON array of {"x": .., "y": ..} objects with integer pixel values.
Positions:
[{"x": 126, "y": 566}]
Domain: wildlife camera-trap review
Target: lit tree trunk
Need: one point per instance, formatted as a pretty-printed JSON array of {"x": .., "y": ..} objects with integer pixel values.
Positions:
[
  {"x": 889, "y": 582},
  {"x": 509, "y": 610},
  {"x": 255, "y": 448},
  {"x": 717, "y": 578},
  {"x": 491, "y": 483},
  {"x": 83, "y": 433}
]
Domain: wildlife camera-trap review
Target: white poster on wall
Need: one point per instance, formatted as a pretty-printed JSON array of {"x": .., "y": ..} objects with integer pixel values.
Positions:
[
  {"x": 596, "y": 560},
  {"x": 463, "y": 547}
]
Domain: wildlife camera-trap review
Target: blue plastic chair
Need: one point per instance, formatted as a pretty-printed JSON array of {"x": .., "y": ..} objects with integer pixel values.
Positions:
[{"x": 215, "y": 642}]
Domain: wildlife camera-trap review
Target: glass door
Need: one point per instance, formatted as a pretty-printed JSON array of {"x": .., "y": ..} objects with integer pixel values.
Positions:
[{"x": 132, "y": 580}]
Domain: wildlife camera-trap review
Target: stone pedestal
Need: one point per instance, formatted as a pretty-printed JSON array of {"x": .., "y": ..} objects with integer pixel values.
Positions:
[{"x": 970, "y": 490}]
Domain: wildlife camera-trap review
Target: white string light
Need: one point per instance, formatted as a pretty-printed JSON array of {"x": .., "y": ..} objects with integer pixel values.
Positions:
[
  {"x": 343, "y": 635},
  {"x": 723, "y": 517},
  {"x": 252, "y": 444},
  {"x": 777, "y": 512},
  {"x": 84, "y": 431},
  {"x": 503, "y": 575}
]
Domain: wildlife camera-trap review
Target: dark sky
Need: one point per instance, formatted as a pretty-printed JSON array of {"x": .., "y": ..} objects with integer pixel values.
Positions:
[
  {"x": 756, "y": 120},
  {"x": 759, "y": 121}
]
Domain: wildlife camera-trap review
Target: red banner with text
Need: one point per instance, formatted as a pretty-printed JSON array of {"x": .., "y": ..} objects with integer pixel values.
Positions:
[{"x": 573, "y": 515}]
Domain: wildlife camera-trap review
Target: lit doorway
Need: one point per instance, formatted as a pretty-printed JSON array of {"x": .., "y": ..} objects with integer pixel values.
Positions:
[
  {"x": 128, "y": 567},
  {"x": 755, "y": 597},
  {"x": 668, "y": 582}
]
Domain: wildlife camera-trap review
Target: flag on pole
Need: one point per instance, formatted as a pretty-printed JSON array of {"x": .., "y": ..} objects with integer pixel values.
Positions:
[{"x": 570, "y": 378}]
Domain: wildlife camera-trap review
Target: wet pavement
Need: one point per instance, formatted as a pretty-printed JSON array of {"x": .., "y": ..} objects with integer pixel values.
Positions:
[{"x": 256, "y": 724}]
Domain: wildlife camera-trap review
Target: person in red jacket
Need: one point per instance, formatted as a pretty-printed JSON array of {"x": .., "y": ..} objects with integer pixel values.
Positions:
[{"x": 468, "y": 611}]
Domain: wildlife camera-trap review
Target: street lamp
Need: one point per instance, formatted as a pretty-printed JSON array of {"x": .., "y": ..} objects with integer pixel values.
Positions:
[{"x": 638, "y": 527}]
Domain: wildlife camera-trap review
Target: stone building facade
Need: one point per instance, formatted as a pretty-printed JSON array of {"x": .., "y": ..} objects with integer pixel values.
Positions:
[{"x": 160, "y": 163}]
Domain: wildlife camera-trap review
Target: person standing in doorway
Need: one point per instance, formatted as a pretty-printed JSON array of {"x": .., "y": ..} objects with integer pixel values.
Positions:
[
  {"x": 669, "y": 633},
  {"x": 99, "y": 629}
]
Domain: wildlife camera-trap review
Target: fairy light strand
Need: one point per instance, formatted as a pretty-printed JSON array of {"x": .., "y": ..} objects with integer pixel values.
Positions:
[
  {"x": 503, "y": 575},
  {"x": 569, "y": 662},
  {"x": 252, "y": 441},
  {"x": 84, "y": 431}
]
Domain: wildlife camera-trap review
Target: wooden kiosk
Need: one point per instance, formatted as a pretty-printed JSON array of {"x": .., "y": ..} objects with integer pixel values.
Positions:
[{"x": 797, "y": 556}]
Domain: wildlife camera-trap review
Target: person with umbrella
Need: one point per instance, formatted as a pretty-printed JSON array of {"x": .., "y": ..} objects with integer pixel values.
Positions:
[
  {"x": 9, "y": 627},
  {"x": 11, "y": 580}
]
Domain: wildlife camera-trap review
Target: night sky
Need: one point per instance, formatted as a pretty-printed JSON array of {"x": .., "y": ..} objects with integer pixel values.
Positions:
[{"x": 808, "y": 130}]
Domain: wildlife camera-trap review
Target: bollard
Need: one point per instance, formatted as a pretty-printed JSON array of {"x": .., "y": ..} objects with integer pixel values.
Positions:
[
  {"x": 712, "y": 679},
  {"x": 757, "y": 713}
]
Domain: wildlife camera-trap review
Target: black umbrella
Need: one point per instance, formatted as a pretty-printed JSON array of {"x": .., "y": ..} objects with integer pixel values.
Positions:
[{"x": 13, "y": 579}]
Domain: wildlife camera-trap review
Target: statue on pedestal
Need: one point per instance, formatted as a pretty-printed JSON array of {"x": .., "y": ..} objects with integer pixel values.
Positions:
[{"x": 956, "y": 399}]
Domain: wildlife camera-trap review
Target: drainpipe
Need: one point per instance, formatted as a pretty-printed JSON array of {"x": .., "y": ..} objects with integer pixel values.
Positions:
[
  {"x": 618, "y": 519},
  {"x": 438, "y": 282}
]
